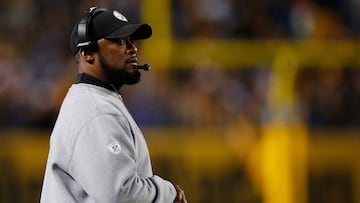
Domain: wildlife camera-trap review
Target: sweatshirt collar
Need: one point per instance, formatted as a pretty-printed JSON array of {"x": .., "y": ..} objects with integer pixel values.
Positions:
[{"x": 88, "y": 79}]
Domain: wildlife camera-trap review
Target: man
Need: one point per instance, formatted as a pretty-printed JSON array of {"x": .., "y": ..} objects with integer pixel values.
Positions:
[{"x": 97, "y": 152}]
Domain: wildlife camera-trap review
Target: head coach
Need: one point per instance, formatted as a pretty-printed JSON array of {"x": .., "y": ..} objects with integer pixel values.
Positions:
[{"x": 97, "y": 151}]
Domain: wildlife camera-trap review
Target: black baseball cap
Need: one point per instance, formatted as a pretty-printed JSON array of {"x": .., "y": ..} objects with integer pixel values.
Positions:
[{"x": 109, "y": 25}]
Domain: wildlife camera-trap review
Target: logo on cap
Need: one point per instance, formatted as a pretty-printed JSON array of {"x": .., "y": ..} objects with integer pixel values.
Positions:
[{"x": 119, "y": 16}]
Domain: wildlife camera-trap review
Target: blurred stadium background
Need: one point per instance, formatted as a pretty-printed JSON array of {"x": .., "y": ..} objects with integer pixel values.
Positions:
[{"x": 248, "y": 100}]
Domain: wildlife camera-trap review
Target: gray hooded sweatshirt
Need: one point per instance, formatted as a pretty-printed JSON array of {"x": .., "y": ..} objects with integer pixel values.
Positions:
[{"x": 98, "y": 153}]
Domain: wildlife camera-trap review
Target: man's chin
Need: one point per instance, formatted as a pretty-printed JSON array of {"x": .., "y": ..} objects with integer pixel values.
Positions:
[
  {"x": 130, "y": 78},
  {"x": 134, "y": 78}
]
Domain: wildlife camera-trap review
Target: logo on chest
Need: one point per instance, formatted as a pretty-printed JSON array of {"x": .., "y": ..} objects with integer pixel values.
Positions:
[{"x": 114, "y": 147}]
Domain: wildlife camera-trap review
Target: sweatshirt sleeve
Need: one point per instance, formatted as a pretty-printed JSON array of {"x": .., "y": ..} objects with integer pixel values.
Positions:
[{"x": 104, "y": 164}]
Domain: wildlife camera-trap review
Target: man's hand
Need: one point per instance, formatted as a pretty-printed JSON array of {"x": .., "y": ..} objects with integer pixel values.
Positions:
[{"x": 180, "y": 196}]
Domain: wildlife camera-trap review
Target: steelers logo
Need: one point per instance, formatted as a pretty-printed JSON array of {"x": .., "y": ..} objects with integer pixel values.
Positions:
[{"x": 119, "y": 16}]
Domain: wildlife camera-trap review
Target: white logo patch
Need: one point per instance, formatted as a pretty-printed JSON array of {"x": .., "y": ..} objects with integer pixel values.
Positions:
[
  {"x": 119, "y": 16},
  {"x": 114, "y": 147}
]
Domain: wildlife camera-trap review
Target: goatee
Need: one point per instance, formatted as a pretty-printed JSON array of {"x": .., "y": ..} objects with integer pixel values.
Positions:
[{"x": 119, "y": 77}]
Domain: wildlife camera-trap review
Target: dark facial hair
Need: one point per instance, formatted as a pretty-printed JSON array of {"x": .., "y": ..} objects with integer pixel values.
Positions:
[{"x": 118, "y": 77}]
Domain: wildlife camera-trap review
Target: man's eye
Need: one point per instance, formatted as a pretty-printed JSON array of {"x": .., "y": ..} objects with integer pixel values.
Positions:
[{"x": 120, "y": 41}]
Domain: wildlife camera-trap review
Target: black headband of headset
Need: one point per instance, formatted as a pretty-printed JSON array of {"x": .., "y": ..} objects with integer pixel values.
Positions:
[{"x": 83, "y": 27}]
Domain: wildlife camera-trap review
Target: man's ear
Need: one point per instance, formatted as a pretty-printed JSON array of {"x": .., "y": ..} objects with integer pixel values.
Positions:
[{"x": 88, "y": 56}]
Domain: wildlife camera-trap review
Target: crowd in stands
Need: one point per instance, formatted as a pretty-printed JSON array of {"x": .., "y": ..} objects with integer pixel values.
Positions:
[{"x": 36, "y": 67}]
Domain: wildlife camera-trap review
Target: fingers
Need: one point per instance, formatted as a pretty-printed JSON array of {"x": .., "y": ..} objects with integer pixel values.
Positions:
[{"x": 180, "y": 197}]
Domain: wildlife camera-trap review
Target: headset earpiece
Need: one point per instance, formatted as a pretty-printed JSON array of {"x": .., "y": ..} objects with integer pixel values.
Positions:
[{"x": 84, "y": 40}]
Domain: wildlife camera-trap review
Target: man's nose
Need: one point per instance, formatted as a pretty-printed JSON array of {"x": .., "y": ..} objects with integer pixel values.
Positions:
[{"x": 131, "y": 48}]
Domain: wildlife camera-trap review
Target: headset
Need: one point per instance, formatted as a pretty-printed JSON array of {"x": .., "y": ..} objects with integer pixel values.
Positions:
[{"x": 84, "y": 40}]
